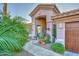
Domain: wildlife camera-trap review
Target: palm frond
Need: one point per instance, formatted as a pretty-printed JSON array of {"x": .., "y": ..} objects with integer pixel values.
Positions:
[{"x": 13, "y": 35}]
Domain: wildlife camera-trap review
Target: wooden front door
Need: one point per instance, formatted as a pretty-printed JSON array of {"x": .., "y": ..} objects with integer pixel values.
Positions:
[
  {"x": 42, "y": 23},
  {"x": 72, "y": 37}
]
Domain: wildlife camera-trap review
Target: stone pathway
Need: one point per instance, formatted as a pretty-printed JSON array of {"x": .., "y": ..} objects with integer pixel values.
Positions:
[
  {"x": 47, "y": 46},
  {"x": 23, "y": 53},
  {"x": 67, "y": 53},
  {"x": 37, "y": 50}
]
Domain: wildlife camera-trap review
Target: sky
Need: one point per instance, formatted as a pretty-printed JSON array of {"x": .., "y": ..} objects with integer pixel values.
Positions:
[{"x": 24, "y": 9}]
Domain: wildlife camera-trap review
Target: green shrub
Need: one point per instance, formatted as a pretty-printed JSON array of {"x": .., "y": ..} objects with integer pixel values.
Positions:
[
  {"x": 13, "y": 35},
  {"x": 6, "y": 53},
  {"x": 58, "y": 47},
  {"x": 41, "y": 36},
  {"x": 47, "y": 39}
]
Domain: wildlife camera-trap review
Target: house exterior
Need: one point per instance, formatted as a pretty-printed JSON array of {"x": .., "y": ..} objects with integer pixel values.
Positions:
[
  {"x": 68, "y": 29},
  {"x": 42, "y": 17},
  {"x": 67, "y": 25}
]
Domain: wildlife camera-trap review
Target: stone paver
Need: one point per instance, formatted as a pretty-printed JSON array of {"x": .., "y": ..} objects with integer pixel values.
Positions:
[
  {"x": 37, "y": 50},
  {"x": 47, "y": 46},
  {"x": 23, "y": 53},
  {"x": 67, "y": 53}
]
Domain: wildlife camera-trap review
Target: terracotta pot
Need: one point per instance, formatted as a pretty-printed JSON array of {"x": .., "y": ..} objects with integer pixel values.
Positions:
[{"x": 41, "y": 42}]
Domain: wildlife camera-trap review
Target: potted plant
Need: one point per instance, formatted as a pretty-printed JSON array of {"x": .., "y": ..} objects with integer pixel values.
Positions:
[
  {"x": 41, "y": 39},
  {"x": 41, "y": 42},
  {"x": 47, "y": 39}
]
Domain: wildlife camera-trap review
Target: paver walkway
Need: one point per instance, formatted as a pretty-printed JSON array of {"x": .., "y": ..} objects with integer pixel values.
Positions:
[
  {"x": 37, "y": 50},
  {"x": 23, "y": 53}
]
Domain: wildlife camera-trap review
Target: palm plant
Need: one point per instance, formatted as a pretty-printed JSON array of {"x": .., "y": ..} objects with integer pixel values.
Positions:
[{"x": 13, "y": 35}]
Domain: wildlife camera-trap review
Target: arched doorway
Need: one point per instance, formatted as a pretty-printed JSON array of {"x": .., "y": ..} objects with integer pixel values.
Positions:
[{"x": 41, "y": 25}]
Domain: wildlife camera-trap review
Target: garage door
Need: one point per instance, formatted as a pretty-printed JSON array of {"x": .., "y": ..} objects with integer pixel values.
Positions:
[{"x": 72, "y": 37}]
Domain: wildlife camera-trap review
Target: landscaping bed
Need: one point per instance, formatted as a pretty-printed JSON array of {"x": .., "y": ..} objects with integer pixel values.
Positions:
[
  {"x": 44, "y": 41},
  {"x": 58, "y": 47}
]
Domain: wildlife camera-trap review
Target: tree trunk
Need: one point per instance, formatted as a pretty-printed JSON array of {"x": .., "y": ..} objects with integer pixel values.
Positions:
[{"x": 4, "y": 9}]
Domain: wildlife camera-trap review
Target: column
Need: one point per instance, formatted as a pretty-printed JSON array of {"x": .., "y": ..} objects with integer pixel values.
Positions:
[
  {"x": 33, "y": 28},
  {"x": 49, "y": 26},
  {"x": 61, "y": 33}
]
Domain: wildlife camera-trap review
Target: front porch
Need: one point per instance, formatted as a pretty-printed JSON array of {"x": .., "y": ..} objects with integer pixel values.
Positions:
[{"x": 42, "y": 24}]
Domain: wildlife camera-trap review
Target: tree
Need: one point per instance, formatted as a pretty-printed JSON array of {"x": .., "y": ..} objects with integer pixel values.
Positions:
[
  {"x": 13, "y": 35},
  {"x": 19, "y": 18},
  {"x": 4, "y": 9}
]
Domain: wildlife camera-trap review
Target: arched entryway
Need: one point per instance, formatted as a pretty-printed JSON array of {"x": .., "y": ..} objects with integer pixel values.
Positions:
[
  {"x": 41, "y": 19},
  {"x": 41, "y": 25}
]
